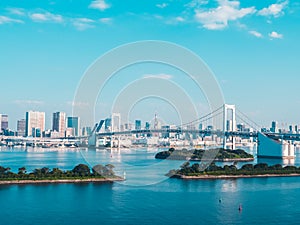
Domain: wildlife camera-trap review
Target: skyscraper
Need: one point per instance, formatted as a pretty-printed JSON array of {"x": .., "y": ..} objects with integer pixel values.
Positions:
[
  {"x": 74, "y": 123},
  {"x": 21, "y": 127},
  {"x": 35, "y": 121},
  {"x": 3, "y": 122},
  {"x": 274, "y": 127},
  {"x": 138, "y": 125},
  {"x": 59, "y": 123},
  {"x": 147, "y": 126}
]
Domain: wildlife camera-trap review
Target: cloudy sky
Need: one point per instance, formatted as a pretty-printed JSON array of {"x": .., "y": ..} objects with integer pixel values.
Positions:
[{"x": 252, "y": 48}]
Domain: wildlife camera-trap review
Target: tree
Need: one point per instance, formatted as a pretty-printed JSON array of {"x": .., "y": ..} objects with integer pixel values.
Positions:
[
  {"x": 185, "y": 165},
  {"x": 57, "y": 172},
  {"x": 81, "y": 170},
  {"x": 45, "y": 170},
  {"x": 98, "y": 170},
  {"x": 248, "y": 167},
  {"x": 171, "y": 149},
  {"x": 2, "y": 170},
  {"x": 105, "y": 171},
  {"x": 22, "y": 170},
  {"x": 276, "y": 167},
  {"x": 109, "y": 170},
  {"x": 261, "y": 166},
  {"x": 213, "y": 167},
  {"x": 195, "y": 168},
  {"x": 37, "y": 172}
]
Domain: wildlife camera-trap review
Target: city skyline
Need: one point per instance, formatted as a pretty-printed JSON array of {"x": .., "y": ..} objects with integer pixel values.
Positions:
[
  {"x": 63, "y": 125},
  {"x": 252, "y": 48}
]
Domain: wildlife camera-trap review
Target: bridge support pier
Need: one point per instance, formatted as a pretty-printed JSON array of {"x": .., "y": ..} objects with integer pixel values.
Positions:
[
  {"x": 270, "y": 148},
  {"x": 92, "y": 140}
]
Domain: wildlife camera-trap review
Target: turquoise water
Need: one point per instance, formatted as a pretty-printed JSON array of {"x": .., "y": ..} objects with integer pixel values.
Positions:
[{"x": 165, "y": 201}]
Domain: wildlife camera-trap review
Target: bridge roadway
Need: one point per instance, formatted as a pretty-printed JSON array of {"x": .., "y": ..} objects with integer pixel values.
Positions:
[
  {"x": 181, "y": 131},
  {"x": 284, "y": 136}
]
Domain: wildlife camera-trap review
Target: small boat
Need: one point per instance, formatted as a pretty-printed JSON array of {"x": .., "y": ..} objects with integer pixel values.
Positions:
[{"x": 240, "y": 207}]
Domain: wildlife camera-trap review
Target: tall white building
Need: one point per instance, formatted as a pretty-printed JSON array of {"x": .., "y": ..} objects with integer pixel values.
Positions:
[
  {"x": 3, "y": 122},
  {"x": 35, "y": 121},
  {"x": 21, "y": 127},
  {"x": 59, "y": 123}
]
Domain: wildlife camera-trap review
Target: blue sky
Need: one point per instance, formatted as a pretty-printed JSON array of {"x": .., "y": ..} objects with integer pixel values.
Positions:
[{"x": 251, "y": 46}]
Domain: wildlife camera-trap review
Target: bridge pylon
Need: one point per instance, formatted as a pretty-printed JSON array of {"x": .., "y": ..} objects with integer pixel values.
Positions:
[
  {"x": 115, "y": 127},
  {"x": 229, "y": 124}
]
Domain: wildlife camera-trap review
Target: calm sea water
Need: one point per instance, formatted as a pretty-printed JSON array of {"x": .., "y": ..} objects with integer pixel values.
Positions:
[{"x": 146, "y": 197}]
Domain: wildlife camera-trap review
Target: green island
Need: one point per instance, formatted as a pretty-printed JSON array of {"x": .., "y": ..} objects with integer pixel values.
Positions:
[
  {"x": 218, "y": 154},
  {"x": 79, "y": 174},
  {"x": 212, "y": 171}
]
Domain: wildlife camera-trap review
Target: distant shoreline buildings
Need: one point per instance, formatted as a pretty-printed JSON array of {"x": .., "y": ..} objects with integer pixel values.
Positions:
[{"x": 69, "y": 126}]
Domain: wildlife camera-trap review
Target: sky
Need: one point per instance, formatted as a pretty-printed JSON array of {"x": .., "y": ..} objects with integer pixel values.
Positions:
[{"x": 251, "y": 47}]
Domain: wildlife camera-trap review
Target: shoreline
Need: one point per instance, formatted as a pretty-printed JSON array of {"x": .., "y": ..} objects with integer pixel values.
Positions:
[
  {"x": 224, "y": 160},
  {"x": 214, "y": 177},
  {"x": 62, "y": 181},
  {"x": 209, "y": 160}
]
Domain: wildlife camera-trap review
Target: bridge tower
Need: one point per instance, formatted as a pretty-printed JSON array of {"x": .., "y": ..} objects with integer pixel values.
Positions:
[
  {"x": 229, "y": 124},
  {"x": 115, "y": 126}
]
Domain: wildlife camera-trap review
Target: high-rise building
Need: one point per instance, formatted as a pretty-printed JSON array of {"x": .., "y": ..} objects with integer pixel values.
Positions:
[
  {"x": 241, "y": 127},
  {"x": 74, "y": 122},
  {"x": 21, "y": 127},
  {"x": 147, "y": 126},
  {"x": 166, "y": 133},
  {"x": 138, "y": 125},
  {"x": 291, "y": 128},
  {"x": 35, "y": 123},
  {"x": 59, "y": 123},
  {"x": 200, "y": 126},
  {"x": 274, "y": 127},
  {"x": 128, "y": 126},
  {"x": 3, "y": 122}
]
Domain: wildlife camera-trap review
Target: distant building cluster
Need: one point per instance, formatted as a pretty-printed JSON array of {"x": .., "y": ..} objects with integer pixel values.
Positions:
[
  {"x": 275, "y": 128},
  {"x": 34, "y": 126}
]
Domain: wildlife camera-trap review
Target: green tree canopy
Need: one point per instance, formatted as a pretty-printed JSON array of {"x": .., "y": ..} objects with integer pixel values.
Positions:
[{"x": 82, "y": 170}]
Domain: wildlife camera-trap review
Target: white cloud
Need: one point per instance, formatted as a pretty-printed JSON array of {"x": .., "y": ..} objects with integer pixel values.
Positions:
[
  {"x": 256, "y": 34},
  {"x": 179, "y": 19},
  {"x": 78, "y": 104},
  {"x": 29, "y": 102},
  {"x": 84, "y": 20},
  {"x": 83, "y": 23},
  {"x": 196, "y": 3},
  {"x": 5, "y": 19},
  {"x": 46, "y": 17},
  {"x": 275, "y": 35},
  {"x": 162, "y": 5},
  {"x": 273, "y": 10},
  {"x": 174, "y": 20},
  {"x": 160, "y": 76},
  {"x": 218, "y": 18},
  {"x": 159, "y": 17},
  {"x": 16, "y": 11},
  {"x": 106, "y": 20},
  {"x": 99, "y": 4}
]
